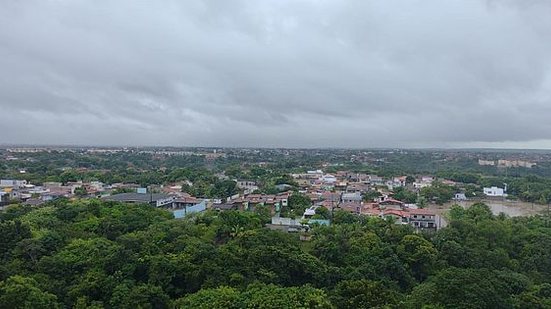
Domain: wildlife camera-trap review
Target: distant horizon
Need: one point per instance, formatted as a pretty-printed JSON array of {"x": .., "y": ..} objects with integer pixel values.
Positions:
[{"x": 10, "y": 145}]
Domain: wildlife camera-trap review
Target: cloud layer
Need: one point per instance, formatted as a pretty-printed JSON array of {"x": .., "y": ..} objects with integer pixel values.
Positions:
[{"x": 276, "y": 73}]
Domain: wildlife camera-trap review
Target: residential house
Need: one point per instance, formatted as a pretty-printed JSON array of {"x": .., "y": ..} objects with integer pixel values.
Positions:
[
  {"x": 376, "y": 180},
  {"x": 12, "y": 183},
  {"x": 225, "y": 206},
  {"x": 185, "y": 202},
  {"x": 273, "y": 202},
  {"x": 423, "y": 182},
  {"x": 154, "y": 199},
  {"x": 460, "y": 197},
  {"x": 494, "y": 192},
  {"x": 357, "y": 187},
  {"x": 4, "y": 198},
  {"x": 390, "y": 203},
  {"x": 189, "y": 206},
  {"x": 422, "y": 219},
  {"x": 396, "y": 182},
  {"x": 354, "y": 197},
  {"x": 328, "y": 179},
  {"x": 247, "y": 186}
]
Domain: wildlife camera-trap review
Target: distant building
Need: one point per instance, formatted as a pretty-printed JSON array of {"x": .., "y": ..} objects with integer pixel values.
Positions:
[
  {"x": 515, "y": 163},
  {"x": 396, "y": 182},
  {"x": 189, "y": 208},
  {"x": 226, "y": 206},
  {"x": 390, "y": 203},
  {"x": 376, "y": 180},
  {"x": 494, "y": 192},
  {"x": 422, "y": 219},
  {"x": 273, "y": 202},
  {"x": 154, "y": 199},
  {"x": 486, "y": 162},
  {"x": 357, "y": 187},
  {"x": 423, "y": 182},
  {"x": 329, "y": 179},
  {"x": 4, "y": 198},
  {"x": 246, "y": 185},
  {"x": 460, "y": 197},
  {"x": 185, "y": 202},
  {"x": 33, "y": 202},
  {"x": 283, "y": 187},
  {"x": 12, "y": 183},
  {"x": 354, "y": 197}
]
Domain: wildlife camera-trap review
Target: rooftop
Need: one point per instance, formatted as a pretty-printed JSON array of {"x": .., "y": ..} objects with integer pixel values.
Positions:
[{"x": 137, "y": 197}]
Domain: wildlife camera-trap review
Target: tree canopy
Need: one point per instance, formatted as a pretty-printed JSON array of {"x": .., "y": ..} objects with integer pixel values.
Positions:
[{"x": 93, "y": 254}]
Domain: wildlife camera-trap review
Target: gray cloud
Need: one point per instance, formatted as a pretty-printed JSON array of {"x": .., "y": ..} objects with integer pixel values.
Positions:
[{"x": 276, "y": 73}]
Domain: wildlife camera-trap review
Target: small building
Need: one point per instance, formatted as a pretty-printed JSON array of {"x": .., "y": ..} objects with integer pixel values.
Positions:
[
  {"x": 329, "y": 179},
  {"x": 390, "y": 203},
  {"x": 482, "y": 162},
  {"x": 247, "y": 186},
  {"x": 34, "y": 202},
  {"x": 494, "y": 192},
  {"x": 354, "y": 197},
  {"x": 185, "y": 201},
  {"x": 460, "y": 197},
  {"x": 4, "y": 198},
  {"x": 12, "y": 183},
  {"x": 422, "y": 219},
  {"x": 189, "y": 209},
  {"x": 376, "y": 180},
  {"x": 225, "y": 206},
  {"x": 154, "y": 199},
  {"x": 283, "y": 187}
]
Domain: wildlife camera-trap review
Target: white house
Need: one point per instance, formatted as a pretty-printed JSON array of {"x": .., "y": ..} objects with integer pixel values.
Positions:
[
  {"x": 328, "y": 178},
  {"x": 460, "y": 197},
  {"x": 11, "y": 183},
  {"x": 494, "y": 191}
]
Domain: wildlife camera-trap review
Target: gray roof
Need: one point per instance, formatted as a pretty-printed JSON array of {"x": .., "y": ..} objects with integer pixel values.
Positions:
[
  {"x": 33, "y": 202},
  {"x": 136, "y": 197},
  {"x": 224, "y": 206}
]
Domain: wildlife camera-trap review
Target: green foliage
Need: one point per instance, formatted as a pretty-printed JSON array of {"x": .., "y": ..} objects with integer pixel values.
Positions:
[
  {"x": 418, "y": 254},
  {"x": 93, "y": 254},
  {"x": 212, "y": 188},
  {"x": 257, "y": 296},
  {"x": 438, "y": 192},
  {"x": 322, "y": 213},
  {"x": 297, "y": 204},
  {"x": 370, "y": 196},
  {"x": 220, "y": 298},
  {"x": 404, "y": 195},
  {"x": 81, "y": 192},
  {"x": 23, "y": 292},
  {"x": 463, "y": 288},
  {"x": 365, "y": 294}
]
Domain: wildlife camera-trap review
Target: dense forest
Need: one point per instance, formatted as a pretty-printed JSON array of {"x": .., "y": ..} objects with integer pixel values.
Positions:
[{"x": 93, "y": 254}]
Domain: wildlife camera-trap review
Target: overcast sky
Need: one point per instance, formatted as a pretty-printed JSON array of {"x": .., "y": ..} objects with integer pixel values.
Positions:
[{"x": 288, "y": 73}]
